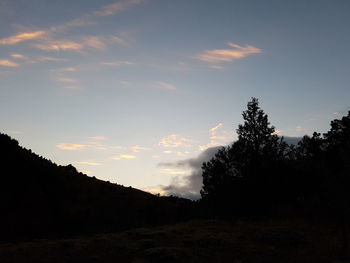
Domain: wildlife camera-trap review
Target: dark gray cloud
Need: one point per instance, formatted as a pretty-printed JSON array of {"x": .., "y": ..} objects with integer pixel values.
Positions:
[{"x": 188, "y": 186}]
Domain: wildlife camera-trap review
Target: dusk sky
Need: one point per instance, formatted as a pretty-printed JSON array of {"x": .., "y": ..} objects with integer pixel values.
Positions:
[{"x": 117, "y": 88}]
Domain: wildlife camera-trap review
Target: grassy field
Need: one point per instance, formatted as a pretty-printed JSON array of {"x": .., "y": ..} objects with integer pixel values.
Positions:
[{"x": 211, "y": 241}]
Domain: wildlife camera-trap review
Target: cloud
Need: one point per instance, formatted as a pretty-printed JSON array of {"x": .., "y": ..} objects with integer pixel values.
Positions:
[
  {"x": 59, "y": 45},
  {"x": 90, "y": 18},
  {"x": 117, "y": 63},
  {"x": 68, "y": 69},
  {"x": 173, "y": 171},
  {"x": 216, "y": 127},
  {"x": 45, "y": 59},
  {"x": 8, "y": 63},
  {"x": 20, "y": 37},
  {"x": 175, "y": 141},
  {"x": 90, "y": 163},
  {"x": 138, "y": 148},
  {"x": 300, "y": 128},
  {"x": 117, "y": 7},
  {"x": 33, "y": 60},
  {"x": 98, "y": 138},
  {"x": 164, "y": 85},
  {"x": 94, "y": 42},
  {"x": 18, "y": 56},
  {"x": 218, "y": 136},
  {"x": 76, "y": 44},
  {"x": 66, "y": 80},
  {"x": 71, "y": 146},
  {"x": 227, "y": 55},
  {"x": 187, "y": 185},
  {"x": 119, "y": 40},
  {"x": 124, "y": 156}
]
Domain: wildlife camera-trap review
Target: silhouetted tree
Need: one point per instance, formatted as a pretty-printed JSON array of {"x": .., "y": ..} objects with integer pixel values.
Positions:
[
  {"x": 337, "y": 145},
  {"x": 243, "y": 174}
]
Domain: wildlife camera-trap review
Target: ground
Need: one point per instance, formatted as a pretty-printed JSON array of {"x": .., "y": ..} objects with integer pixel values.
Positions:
[{"x": 201, "y": 241}]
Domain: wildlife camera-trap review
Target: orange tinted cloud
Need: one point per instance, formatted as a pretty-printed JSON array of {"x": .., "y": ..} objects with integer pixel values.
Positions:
[
  {"x": 94, "y": 42},
  {"x": 227, "y": 55},
  {"x": 66, "y": 80},
  {"x": 18, "y": 56},
  {"x": 21, "y": 37},
  {"x": 124, "y": 156},
  {"x": 8, "y": 63},
  {"x": 59, "y": 45},
  {"x": 89, "y": 163},
  {"x": 174, "y": 141},
  {"x": 71, "y": 146},
  {"x": 117, "y": 7}
]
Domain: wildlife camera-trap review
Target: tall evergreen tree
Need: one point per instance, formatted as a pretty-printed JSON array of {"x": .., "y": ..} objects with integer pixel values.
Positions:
[{"x": 243, "y": 171}]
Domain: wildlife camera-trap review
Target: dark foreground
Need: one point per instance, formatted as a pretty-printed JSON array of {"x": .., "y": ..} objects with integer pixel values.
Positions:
[{"x": 196, "y": 241}]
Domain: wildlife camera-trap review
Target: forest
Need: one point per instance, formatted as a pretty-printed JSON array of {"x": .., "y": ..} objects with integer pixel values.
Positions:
[{"x": 258, "y": 178}]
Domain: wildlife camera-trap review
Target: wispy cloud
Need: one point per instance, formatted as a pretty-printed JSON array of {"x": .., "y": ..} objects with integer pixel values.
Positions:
[
  {"x": 20, "y": 37},
  {"x": 227, "y": 55},
  {"x": 18, "y": 56},
  {"x": 90, "y": 163},
  {"x": 71, "y": 146},
  {"x": 48, "y": 39},
  {"x": 66, "y": 80},
  {"x": 94, "y": 42},
  {"x": 45, "y": 59},
  {"x": 92, "y": 18},
  {"x": 218, "y": 137},
  {"x": 175, "y": 141},
  {"x": 33, "y": 60},
  {"x": 164, "y": 85},
  {"x": 212, "y": 130},
  {"x": 117, "y": 7},
  {"x": 124, "y": 156},
  {"x": 138, "y": 148},
  {"x": 98, "y": 138},
  {"x": 119, "y": 40},
  {"x": 68, "y": 69},
  {"x": 117, "y": 63},
  {"x": 8, "y": 63},
  {"x": 59, "y": 45}
]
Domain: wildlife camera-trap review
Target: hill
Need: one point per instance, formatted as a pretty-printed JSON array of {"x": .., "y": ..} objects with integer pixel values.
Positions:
[{"x": 40, "y": 199}]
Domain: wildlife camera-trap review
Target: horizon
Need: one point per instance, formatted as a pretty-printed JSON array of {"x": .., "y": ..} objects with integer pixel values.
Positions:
[{"x": 120, "y": 88}]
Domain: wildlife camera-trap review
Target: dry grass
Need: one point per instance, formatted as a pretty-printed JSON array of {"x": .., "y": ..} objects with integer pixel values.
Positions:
[{"x": 211, "y": 241}]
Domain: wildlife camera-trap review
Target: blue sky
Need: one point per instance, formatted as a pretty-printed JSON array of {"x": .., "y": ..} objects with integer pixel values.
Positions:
[{"x": 117, "y": 87}]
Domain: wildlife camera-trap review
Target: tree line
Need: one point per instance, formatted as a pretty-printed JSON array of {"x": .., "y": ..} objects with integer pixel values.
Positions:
[{"x": 261, "y": 175}]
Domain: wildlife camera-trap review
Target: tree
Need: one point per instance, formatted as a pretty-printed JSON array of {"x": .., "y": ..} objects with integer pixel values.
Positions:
[
  {"x": 242, "y": 171},
  {"x": 257, "y": 137},
  {"x": 337, "y": 146}
]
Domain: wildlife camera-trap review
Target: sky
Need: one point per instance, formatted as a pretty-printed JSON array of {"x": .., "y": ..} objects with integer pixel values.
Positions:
[{"x": 140, "y": 92}]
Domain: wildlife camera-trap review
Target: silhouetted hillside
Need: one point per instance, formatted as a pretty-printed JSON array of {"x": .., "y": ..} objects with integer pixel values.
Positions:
[{"x": 41, "y": 199}]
